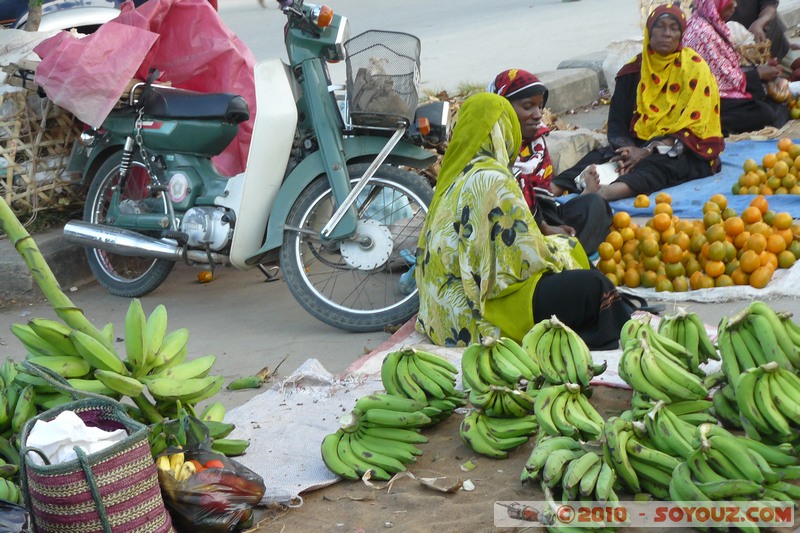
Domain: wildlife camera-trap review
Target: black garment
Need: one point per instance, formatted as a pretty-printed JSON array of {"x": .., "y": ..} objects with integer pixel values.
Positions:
[
  {"x": 739, "y": 115},
  {"x": 654, "y": 173},
  {"x": 587, "y": 302},
  {"x": 747, "y": 12},
  {"x": 589, "y": 214}
]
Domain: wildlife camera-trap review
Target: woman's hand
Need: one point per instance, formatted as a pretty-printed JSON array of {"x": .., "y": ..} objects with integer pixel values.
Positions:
[
  {"x": 768, "y": 72},
  {"x": 547, "y": 229},
  {"x": 628, "y": 157}
]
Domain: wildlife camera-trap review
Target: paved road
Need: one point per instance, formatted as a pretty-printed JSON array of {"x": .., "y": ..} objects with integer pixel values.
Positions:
[{"x": 463, "y": 42}]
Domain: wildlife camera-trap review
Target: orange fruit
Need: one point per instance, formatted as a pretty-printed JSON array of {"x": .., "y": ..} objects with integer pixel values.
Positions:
[
  {"x": 612, "y": 277},
  {"x": 706, "y": 282},
  {"x": 673, "y": 270},
  {"x": 757, "y": 243},
  {"x": 667, "y": 234},
  {"x": 740, "y": 277},
  {"x": 741, "y": 240},
  {"x": 663, "y": 198},
  {"x": 607, "y": 266},
  {"x": 786, "y": 259},
  {"x": 749, "y": 261},
  {"x": 205, "y": 276},
  {"x": 661, "y": 222},
  {"x": 662, "y": 208},
  {"x": 697, "y": 242},
  {"x": 630, "y": 246},
  {"x": 716, "y": 251},
  {"x": 730, "y": 251},
  {"x": 775, "y": 244},
  {"x": 716, "y": 232},
  {"x": 605, "y": 250},
  {"x": 714, "y": 268},
  {"x": 769, "y": 160},
  {"x": 769, "y": 217},
  {"x": 641, "y": 200},
  {"x": 787, "y": 235},
  {"x": 769, "y": 259},
  {"x": 648, "y": 279},
  {"x": 632, "y": 278},
  {"x": 649, "y": 247},
  {"x": 723, "y": 281},
  {"x": 680, "y": 284},
  {"x": 681, "y": 239},
  {"x": 784, "y": 144},
  {"x": 711, "y": 217},
  {"x": 751, "y": 214},
  {"x": 615, "y": 239},
  {"x": 761, "y": 203},
  {"x": 720, "y": 200},
  {"x": 652, "y": 263},
  {"x": 733, "y": 226},
  {"x": 750, "y": 165},
  {"x": 628, "y": 235},
  {"x": 789, "y": 181},
  {"x": 621, "y": 219},
  {"x": 711, "y": 206},
  {"x": 672, "y": 253},
  {"x": 760, "y": 227},
  {"x": 664, "y": 285},
  {"x": 760, "y": 277},
  {"x": 781, "y": 169},
  {"x": 794, "y": 247},
  {"x": 782, "y": 220}
]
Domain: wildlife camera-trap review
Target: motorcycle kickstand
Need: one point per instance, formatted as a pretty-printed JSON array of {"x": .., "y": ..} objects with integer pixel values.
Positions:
[{"x": 271, "y": 273}]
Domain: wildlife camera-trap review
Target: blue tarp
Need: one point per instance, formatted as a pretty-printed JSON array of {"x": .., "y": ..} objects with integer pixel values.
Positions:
[{"x": 688, "y": 198}]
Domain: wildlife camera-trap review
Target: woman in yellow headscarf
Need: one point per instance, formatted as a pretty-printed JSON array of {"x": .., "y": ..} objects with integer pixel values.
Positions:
[
  {"x": 483, "y": 265},
  {"x": 664, "y": 119}
]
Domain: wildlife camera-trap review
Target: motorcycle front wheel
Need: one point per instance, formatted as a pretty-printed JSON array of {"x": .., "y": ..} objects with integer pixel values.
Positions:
[
  {"x": 122, "y": 275},
  {"x": 358, "y": 285}
]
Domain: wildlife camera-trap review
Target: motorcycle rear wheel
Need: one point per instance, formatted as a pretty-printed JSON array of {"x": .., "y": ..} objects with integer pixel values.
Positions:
[
  {"x": 121, "y": 275},
  {"x": 358, "y": 291}
]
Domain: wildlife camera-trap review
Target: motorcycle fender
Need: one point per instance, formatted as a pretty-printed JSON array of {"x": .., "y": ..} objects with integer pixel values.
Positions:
[
  {"x": 357, "y": 150},
  {"x": 90, "y": 159}
]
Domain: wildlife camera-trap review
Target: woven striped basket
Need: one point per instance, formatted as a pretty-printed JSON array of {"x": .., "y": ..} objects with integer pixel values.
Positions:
[{"x": 114, "y": 490}]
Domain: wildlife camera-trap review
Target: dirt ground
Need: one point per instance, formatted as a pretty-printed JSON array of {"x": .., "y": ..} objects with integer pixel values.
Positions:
[{"x": 352, "y": 506}]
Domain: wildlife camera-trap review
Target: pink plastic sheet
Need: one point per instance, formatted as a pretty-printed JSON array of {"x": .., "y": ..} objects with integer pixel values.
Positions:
[{"x": 185, "y": 40}]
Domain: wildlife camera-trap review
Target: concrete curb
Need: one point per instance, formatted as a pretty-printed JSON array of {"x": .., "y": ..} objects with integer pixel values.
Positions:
[{"x": 66, "y": 260}]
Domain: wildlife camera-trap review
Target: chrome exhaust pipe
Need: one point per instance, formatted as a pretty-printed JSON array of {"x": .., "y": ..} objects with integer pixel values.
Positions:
[{"x": 126, "y": 242}]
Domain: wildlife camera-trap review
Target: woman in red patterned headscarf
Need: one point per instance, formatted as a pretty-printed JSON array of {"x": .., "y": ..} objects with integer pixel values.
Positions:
[
  {"x": 587, "y": 217},
  {"x": 744, "y": 105}
]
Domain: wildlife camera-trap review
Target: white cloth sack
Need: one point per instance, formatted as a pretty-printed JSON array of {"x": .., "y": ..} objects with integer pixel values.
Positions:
[{"x": 59, "y": 437}]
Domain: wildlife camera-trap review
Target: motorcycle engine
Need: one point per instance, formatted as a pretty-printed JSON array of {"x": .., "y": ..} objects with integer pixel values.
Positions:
[{"x": 207, "y": 226}]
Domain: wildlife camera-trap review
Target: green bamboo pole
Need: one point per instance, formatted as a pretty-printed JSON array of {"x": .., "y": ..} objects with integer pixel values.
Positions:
[{"x": 66, "y": 310}]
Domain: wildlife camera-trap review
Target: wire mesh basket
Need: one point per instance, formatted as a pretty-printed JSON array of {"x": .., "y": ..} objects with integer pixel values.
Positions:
[{"x": 382, "y": 78}]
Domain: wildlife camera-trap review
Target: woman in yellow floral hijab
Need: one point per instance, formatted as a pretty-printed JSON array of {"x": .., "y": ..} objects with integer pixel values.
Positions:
[{"x": 483, "y": 266}]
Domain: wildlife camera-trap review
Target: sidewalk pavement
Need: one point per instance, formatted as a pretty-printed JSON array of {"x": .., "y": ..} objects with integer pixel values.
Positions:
[{"x": 573, "y": 88}]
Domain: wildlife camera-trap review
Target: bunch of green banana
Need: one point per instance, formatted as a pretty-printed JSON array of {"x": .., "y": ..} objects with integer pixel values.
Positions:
[
  {"x": 725, "y": 467},
  {"x": 562, "y": 355},
  {"x": 492, "y": 436},
  {"x": 10, "y": 491},
  {"x": 768, "y": 398},
  {"x": 654, "y": 371},
  {"x": 695, "y": 412},
  {"x": 687, "y": 329},
  {"x": 792, "y": 328},
  {"x": 481, "y": 367},
  {"x": 726, "y": 410},
  {"x": 653, "y": 468},
  {"x": 425, "y": 377},
  {"x": 581, "y": 473},
  {"x": 755, "y": 336},
  {"x": 379, "y": 435},
  {"x": 668, "y": 433},
  {"x": 502, "y": 402},
  {"x": 616, "y": 433},
  {"x": 565, "y": 410},
  {"x": 187, "y": 431}
]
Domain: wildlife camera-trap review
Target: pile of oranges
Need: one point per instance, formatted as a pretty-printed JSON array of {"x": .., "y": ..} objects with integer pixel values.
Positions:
[
  {"x": 778, "y": 173},
  {"x": 723, "y": 249}
]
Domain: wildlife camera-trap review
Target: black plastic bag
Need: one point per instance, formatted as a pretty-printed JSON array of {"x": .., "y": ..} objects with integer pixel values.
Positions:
[{"x": 14, "y": 518}]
